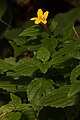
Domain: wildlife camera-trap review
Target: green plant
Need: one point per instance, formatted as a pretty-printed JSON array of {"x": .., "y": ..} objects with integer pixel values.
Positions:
[{"x": 48, "y": 76}]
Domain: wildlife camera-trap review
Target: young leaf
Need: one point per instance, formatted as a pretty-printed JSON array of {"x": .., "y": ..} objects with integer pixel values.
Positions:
[{"x": 15, "y": 99}]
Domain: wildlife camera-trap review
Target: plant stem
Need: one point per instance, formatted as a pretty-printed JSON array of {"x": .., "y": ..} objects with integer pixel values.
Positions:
[
  {"x": 75, "y": 32},
  {"x": 6, "y": 24}
]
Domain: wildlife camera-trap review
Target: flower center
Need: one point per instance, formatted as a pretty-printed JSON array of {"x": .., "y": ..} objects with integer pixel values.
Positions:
[{"x": 42, "y": 18}]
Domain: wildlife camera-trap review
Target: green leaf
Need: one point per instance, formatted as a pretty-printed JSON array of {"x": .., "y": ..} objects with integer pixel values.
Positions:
[
  {"x": 68, "y": 32},
  {"x": 75, "y": 81},
  {"x": 42, "y": 66},
  {"x": 68, "y": 51},
  {"x": 13, "y": 36},
  {"x": 18, "y": 51},
  {"x": 72, "y": 49},
  {"x": 12, "y": 33},
  {"x": 43, "y": 54},
  {"x": 44, "y": 34},
  {"x": 30, "y": 31},
  {"x": 11, "y": 116},
  {"x": 60, "y": 61},
  {"x": 38, "y": 88},
  {"x": 59, "y": 98},
  {"x": 3, "y": 7},
  {"x": 2, "y": 102},
  {"x": 53, "y": 25},
  {"x": 15, "y": 99},
  {"x": 14, "y": 115},
  {"x": 9, "y": 84},
  {"x": 66, "y": 18},
  {"x": 21, "y": 107},
  {"x": 7, "y": 64},
  {"x": 7, "y": 108},
  {"x": 29, "y": 114},
  {"x": 25, "y": 67},
  {"x": 50, "y": 44}
]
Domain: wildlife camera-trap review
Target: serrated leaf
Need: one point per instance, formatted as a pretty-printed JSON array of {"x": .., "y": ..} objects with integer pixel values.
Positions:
[
  {"x": 14, "y": 105},
  {"x": 30, "y": 31},
  {"x": 7, "y": 64},
  {"x": 68, "y": 51},
  {"x": 38, "y": 88},
  {"x": 24, "y": 68},
  {"x": 75, "y": 82},
  {"x": 59, "y": 98},
  {"x": 42, "y": 66},
  {"x": 43, "y": 54},
  {"x": 15, "y": 99},
  {"x": 75, "y": 88},
  {"x": 59, "y": 61},
  {"x": 3, "y": 7}
]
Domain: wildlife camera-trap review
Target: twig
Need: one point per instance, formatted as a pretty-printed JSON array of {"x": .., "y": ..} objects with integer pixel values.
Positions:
[
  {"x": 6, "y": 24},
  {"x": 75, "y": 32},
  {"x": 3, "y": 114}
]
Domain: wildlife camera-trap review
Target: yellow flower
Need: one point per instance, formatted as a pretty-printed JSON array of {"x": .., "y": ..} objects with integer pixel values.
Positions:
[{"x": 41, "y": 18}]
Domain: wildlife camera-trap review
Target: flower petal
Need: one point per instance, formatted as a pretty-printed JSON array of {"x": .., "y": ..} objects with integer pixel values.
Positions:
[
  {"x": 37, "y": 21},
  {"x": 46, "y": 14},
  {"x": 44, "y": 21},
  {"x": 39, "y": 13},
  {"x": 34, "y": 18}
]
